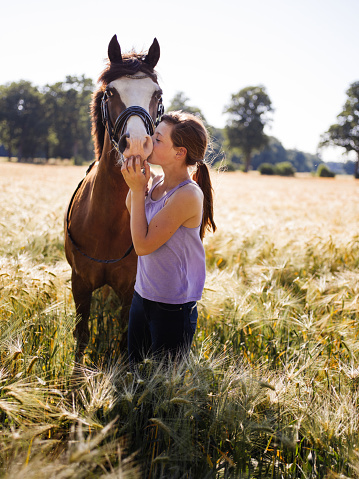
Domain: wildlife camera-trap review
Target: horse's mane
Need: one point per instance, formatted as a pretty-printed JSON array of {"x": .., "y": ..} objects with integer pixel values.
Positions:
[{"x": 131, "y": 64}]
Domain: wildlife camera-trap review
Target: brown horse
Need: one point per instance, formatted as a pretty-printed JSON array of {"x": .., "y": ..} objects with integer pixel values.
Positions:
[{"x": 97, "y": 229}]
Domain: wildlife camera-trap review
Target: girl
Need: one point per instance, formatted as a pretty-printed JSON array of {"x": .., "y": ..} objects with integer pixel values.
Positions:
[{"x": 167, "y": 226}]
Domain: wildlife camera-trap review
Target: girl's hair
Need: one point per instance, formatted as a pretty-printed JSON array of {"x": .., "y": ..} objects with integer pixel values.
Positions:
[{"x": 189, "y": 132}]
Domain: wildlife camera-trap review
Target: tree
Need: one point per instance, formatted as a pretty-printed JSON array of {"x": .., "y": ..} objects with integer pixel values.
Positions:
[
  {"x": 68, "y": 119},
  {"x": 180, "y": 102},
  {"x": 323, "y": 171},
  {"x": 215, "y": 151},
  {"x": 274, "y": 152},
  {"x": 54, "y": 122},
  {"x": 345, "y": 133},
  {"x": 22, "y": 112},
  {"x": 247, "y": 112}
]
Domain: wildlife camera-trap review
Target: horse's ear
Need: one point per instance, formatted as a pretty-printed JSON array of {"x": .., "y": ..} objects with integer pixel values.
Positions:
[
  {"x": 153, "y": 54},
  {"x": 114, "y": 51}
]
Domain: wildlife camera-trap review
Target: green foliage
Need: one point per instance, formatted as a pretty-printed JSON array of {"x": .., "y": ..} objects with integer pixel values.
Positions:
[
  {"x": 266, "y": 169},
  {"x": 282, "y": 169},
  {"x": 22, "y": 119},
  {"x": 285, "y": 168},
  {"x": 69, "y": 124},
  {"x": 342, "y": 168},
  {"x": 345, "y": 133},
  {"x": 247, "y": 114},
  {"x": 54, "y": 122},
  {"x": 229, "y": 166},
  {"x": 275, "y": 153},
  {"x": 180, "y": 102},
  {"x": 323, "y": 171},
  {"x": 215, "y": 151},
  {"x": 303, "y": 162}
]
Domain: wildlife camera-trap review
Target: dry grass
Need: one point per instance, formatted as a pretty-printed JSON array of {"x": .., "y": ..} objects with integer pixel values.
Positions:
[
  {"x": 271, "y": 389},
  {"x": 294, "y": 208}
]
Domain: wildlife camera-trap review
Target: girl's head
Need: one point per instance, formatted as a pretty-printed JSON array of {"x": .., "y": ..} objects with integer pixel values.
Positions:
[{"x": 189, "y": 132}]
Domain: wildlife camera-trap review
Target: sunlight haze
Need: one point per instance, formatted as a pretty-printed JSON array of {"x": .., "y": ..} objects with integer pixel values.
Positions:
[{"x": 304, "y": 52}]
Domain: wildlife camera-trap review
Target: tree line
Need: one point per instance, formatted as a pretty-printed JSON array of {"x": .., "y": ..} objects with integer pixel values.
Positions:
[
  {"x": 245, "y": 142},
  {"x": 54, "y": 122},
  {"x": 51, "y": 122}
]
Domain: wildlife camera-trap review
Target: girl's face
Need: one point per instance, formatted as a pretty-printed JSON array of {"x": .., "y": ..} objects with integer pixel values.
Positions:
[{"x": 163, "y": 150}]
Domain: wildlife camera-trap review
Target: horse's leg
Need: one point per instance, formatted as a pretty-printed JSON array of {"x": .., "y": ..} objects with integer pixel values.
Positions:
[
  {"x": 82, "y": 296},
  {"x": 126, "y": 300}
]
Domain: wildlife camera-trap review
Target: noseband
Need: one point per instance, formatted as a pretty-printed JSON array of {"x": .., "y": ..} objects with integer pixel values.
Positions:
[{"x": 116, "y": 131}]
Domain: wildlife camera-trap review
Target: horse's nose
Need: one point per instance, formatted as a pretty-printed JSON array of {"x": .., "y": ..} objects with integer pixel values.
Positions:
[
  {"x": 122, "y": 144},
  {"x": 130, "y": 145},
  {"x": 148, "y": 146}
]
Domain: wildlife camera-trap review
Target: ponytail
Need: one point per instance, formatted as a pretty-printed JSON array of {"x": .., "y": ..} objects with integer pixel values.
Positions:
[
  {"x": 189, "y": 131},
  {"x": 202, "y": 178}
]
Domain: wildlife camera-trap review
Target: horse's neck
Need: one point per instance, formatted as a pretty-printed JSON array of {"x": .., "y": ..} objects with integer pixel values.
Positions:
[{"x": 109, "y": 189}]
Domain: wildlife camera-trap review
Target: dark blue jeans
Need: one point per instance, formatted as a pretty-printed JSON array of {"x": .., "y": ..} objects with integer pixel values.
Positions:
[{"x": 160, "y": 329}]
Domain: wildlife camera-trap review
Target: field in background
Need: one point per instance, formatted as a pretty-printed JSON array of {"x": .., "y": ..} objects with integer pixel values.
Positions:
[{"x": 271, "y": 389}]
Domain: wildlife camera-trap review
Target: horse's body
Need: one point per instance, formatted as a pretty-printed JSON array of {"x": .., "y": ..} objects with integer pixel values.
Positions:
[{"x": 97, "y": 224}]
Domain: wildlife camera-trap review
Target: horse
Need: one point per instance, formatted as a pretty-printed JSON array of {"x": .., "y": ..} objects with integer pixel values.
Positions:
[{"x": 124, "y": 111}]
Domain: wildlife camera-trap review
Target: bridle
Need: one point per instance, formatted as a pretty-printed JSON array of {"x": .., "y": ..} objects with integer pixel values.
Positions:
[
  {"x": 116, "y": 131},
  {"x": 113, "y": 132}
]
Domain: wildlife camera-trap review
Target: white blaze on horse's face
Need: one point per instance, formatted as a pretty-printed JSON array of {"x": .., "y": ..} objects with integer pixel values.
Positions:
[{"x": 136, "y": 92}]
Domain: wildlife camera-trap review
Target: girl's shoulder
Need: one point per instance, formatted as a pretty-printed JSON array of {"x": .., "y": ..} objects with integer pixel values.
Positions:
[
  {"x": 192, "y": 188},
  {"x": 188, "y": 193}
]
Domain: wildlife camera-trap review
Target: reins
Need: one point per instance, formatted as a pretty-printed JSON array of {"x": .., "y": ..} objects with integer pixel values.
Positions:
[{"x": 105, "y": 261}]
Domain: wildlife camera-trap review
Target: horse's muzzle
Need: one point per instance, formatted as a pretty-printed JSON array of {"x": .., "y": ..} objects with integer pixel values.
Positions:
[
  {"x": 132, "y": 146},
  {"x": 122, "y": 144}
]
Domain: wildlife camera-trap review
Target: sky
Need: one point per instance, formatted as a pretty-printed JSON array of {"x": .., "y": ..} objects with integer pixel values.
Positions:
[{"x": 304, "y": 52}]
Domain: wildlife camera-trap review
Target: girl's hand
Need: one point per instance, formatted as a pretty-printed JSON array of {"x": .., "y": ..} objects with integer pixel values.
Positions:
[{"x": 132, "y": 173}]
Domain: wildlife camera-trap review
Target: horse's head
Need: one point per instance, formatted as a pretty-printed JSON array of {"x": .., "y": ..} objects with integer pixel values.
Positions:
[{"x": 130, "y": 101}]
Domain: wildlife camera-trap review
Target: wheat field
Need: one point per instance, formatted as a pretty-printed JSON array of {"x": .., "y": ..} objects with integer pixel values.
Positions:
[{"x": 271, "y": 386}]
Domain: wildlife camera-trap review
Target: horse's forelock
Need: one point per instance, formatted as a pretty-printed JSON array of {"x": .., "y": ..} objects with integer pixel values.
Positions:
[{"x": 131, "y": 64}]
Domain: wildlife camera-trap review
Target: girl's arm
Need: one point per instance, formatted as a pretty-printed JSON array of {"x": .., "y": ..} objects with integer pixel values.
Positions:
[
  {"x": 128, "y": 201},
  {"x": 185, "y": 204}
]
